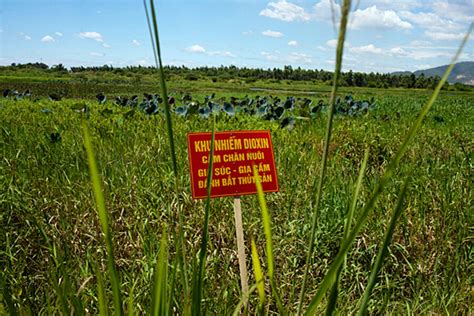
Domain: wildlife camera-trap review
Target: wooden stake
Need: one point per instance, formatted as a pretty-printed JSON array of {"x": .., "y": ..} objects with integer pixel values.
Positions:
[{"x": 241, "y": 248}]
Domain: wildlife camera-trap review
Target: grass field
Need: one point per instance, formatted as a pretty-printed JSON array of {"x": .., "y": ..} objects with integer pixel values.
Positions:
[{"x": 51, "y": 238}]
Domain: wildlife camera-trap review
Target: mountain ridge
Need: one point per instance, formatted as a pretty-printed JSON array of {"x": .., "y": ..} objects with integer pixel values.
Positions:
[{"x": 462, "y": 72}]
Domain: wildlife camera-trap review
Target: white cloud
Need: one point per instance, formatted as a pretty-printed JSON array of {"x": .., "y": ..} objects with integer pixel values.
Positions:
[
  {"x": 325, "y": 9},
  {"x": 398, "y": 51},
  {"x": 292, "y": 58},
  {"x": 92, "y": 35},
  {"x": 269, "y": 56},
  {"x": 247, "y": 32},
  {"x": 441, "y": 36},
  {"x": 420, "y": 43},
  {"x": 285, "y": 11},
  {"x": 136, "y": 43},
  {"x": 96, "y": 54},
  {"x": 292, "y": 43},
  {"x": 106, "y": 45},
  {"x": 394, "y": 5},
  {"x": 370, "y": 49},
  {"x": 271, "y": 33},
  {"x": 431, "y": 21},
  {"x": 417, "y": 53},
  {"x": 47, "y": 39},
  {"x": 466, "y": 56},
  {"x": 460, "y": 10},
  {"x": 195, "y": 49},
  {"x": 59, "y": 34},
  {"x": 408, "y": 52},
  {"x": 299, "y": 58},
  {"x": 423, "y": 66},
  {"x": 142, "y": 62},
  {"x": 425, "y": 54},
  {"x": 372, "y": 17},
  {"x": 322, "y": 48},
  {"x": 26, "y": 37},
  {"x": 330, "y": 61},
  {"x": 222, "y": 54},
  {"x": 332, "y": 43}
]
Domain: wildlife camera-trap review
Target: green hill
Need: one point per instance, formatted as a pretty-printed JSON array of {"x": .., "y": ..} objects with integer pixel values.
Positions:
[{"x": 462, "y": 72}]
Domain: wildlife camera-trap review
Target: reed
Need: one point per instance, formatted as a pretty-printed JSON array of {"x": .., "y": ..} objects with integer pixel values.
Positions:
[
  {"x": 198, "y": 282},
  {"x": 103, "y": 217},
  {"x": 346, "y": 6},
  {"x": 257, "y": 270},
  {"x": 383, "y": 250},
  {"x": 332, "y": 300},
  {"x": 155, "y": 41}
]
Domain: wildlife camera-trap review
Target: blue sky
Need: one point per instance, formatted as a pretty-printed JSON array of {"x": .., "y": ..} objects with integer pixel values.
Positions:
[{"x": 383, "y": 35}]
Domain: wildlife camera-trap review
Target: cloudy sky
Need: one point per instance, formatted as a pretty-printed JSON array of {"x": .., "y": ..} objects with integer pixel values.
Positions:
[{"x": 383, "y": 35}]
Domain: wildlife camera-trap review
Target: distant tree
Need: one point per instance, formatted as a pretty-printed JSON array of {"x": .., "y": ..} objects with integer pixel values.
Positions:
[
  {"x": 360, "y": 80},
  {"x": 349, "y": 78},
  {"x": 59, "y": 68},
  {"x": 420, "y": 82},
  {"x": 412, "y": 81}
]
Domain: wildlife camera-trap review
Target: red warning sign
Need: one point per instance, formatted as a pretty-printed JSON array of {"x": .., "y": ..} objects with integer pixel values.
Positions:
[{"x": 235, "y": 154}]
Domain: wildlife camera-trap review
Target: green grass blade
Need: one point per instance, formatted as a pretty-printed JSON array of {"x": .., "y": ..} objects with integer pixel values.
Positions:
[
  {"x": 153, "y": 26},
  {"x": 383, "y": 250},
  {"x": 131, "y": 301},
  {"x": 96, "y": 182},
  {"x": 243, "y": 300},
  {"x": 355, "y": 196},
  {"x": 268, "y": 240},
  {"x": 101, "y": 296},
  {"x": 59, "y": 286},
  {"x": 266, "y": 223},
  {"x": 198, "y": 283},
  {"x": 172, "y": 279},
  {"x": 155, "y": 41},
  {"x": 7, "y": 296},
  {"x": 281, "y": 309},
  {"x": 339, "y": 52},
  {"x": 257, "y": 270},
  {"x": 331, "y": 274},
  {"x": 334, "y": 293},
  {"x": 160, "y": 284},
  {"x": 100, "y": 202}
]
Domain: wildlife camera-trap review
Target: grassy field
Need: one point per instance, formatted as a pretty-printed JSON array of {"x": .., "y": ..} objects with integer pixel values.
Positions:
[{"x": 51, "y": 238}]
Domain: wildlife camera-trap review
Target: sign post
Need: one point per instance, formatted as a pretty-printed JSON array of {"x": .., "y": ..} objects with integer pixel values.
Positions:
[
  {"x": 235, "y": 155},
  {"x": 239, "y": 231}
]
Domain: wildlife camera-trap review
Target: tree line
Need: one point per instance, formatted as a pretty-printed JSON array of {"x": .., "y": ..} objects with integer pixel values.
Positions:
[{"x": 348, "y": 79}]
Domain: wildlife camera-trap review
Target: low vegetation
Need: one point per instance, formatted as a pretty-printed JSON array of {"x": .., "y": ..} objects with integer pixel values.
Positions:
[
  {"x": 97, "y": 217},
  {"x": 50, "y": 227}
]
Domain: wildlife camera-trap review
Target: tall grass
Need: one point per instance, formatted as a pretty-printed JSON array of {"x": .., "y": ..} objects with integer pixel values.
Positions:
[
  {"x": 164, "y": 299},
  {"x": 155, "y": 41},
  {"x": 388, "y": 174},
  {"x": 7, "y": 296},
  {"x": 331, "y": 278},
  {"x": 257, "y": 270},
  {"x": 332, "y": 300},
  {"x": 383, "y": 250},
  {"x": 104, "y": 221},
  {"x": 268, "y": 241},
  {"x": 346, "y": 6},
  {"x": 160, "y": 301},
  {"x": 198, "y": 282}
]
